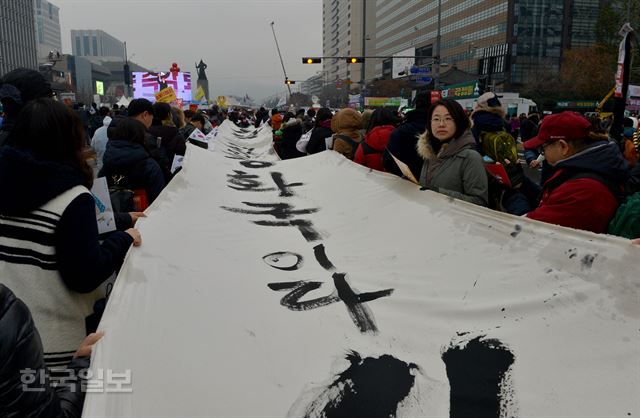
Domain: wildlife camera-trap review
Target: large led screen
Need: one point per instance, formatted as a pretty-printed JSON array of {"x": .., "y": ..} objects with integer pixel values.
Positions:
[{"x": 146, "y": 85}]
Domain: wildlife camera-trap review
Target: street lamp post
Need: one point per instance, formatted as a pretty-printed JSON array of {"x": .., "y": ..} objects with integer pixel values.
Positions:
[{"x": 436, "y": 62}]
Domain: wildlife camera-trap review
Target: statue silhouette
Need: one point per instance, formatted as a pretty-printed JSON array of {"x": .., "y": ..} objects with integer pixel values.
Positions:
[{"x": 201, "y": 67}]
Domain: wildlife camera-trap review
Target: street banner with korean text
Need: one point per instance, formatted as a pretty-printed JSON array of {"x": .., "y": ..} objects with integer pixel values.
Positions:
[
  {"x": 318, "y": 287},
  {"x": 166, "y": 95}
]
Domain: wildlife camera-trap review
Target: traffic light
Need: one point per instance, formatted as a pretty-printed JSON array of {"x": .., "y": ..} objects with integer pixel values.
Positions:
[
  {"x": 311, "y": 60},
  {"x": 289, "y": 82},
  {"x": 355, "y": 60}
]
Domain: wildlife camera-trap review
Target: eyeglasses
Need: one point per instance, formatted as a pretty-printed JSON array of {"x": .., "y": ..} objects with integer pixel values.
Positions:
[{"x": 447, "y": 120}]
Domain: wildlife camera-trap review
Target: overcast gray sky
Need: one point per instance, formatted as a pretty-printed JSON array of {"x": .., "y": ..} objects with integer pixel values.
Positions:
[{"x": 233, "y": 37}]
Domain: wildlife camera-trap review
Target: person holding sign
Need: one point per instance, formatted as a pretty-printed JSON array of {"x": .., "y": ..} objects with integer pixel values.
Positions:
[
  {"x": 51, "y": 257},
  {"x": 452, "y": 166}
]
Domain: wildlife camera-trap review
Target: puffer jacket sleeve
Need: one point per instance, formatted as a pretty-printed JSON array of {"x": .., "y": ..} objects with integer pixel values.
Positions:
[
  {"x": 474, "y": 181},
  {"x": 83, "y": 262},
  {"x": 21, "y": 349}
]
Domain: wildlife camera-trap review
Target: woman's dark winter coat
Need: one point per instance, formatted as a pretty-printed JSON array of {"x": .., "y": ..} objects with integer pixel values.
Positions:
[
  {"x": 402, "y": 144},
  {"x": 172, "y": 142},
  {"x": 21, "y": 349},
  {"x": 127, "y": 158},
  {"x": 291, "y": 133},
  {"x": 317, "y": 141}
]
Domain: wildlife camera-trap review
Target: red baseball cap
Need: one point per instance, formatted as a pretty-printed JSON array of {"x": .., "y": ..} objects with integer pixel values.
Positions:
[{"x": 566, "y": 125}]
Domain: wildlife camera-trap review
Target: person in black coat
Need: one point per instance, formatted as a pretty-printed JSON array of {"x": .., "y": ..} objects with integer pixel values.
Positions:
[
  {"x": 17, "y": 88},
  {"x": 168, "y": 137},
  {"x": 127, "y": 156},
  {"x": 321, "y": 131},
  {"x": 403, "y": 139},
  {"x": 291, "y": 134},
  {"x": 21, "y": 349}
]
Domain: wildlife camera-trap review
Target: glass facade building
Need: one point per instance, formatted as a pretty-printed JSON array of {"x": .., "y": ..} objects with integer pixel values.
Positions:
[
  {"x": 341, "y": 36},
  {"x": 96, "y": 43},
  {"x": 17, "y": 35},
  {"x": 507, "y": 40},
  {"x": 47, "y": 29}
]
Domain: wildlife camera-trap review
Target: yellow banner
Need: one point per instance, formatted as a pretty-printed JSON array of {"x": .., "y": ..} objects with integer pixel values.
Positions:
[
  {"x": 199, "y": 94},
  {"x": 167, "y": 95}
]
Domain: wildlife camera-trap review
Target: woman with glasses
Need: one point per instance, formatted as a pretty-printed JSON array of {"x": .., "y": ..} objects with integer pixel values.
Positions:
[{"x": 451, "y": 164}]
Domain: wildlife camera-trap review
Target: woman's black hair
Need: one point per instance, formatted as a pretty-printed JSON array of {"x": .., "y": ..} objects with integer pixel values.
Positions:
[
  {"x": 457, "y": 113},
  {"x": 161, "y": 111},
  {"x": 131, "y": 130},
  {"x": 51, "y": 131},
  {"x": 28, "y": 85},
  {"x": 322, "y": 115},
  {"x": 198, "y": 117},
  {"x": 383, "y": 116}
]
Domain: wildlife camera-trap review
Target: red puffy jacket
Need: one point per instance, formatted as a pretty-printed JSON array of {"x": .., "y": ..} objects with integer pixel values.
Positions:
[
  {"x": 376, "y": 141},
  {"x": 582, "y": 203}
]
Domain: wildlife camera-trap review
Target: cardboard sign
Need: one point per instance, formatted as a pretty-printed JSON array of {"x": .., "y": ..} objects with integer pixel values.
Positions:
[
  {"x": 104, "y": 210},
  {"x": 167, "y": 95},
  {"x": 406, "y": 171}
]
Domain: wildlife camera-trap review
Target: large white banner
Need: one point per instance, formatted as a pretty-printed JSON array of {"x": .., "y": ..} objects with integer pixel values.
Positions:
[
  {"x": 317, "y": 287},
  {"x": 244, "y": 143}
]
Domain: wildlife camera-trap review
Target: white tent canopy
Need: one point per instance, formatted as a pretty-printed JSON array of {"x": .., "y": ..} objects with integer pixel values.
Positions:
[
  {"x": 318, "y": 287},
  {"x": 124, "y": 101}
]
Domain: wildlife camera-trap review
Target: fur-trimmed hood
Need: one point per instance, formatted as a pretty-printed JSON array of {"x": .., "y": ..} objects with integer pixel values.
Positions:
[
  {"x": 291, "y": 122},
  {"x": 426, "y": 151}
]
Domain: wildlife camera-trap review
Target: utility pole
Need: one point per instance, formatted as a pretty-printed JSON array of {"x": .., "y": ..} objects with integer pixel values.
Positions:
[
  {"x": 364, "y": 46},
  {"x": 127, "y": 72},
  {"x": 436, "y": 70},
  {"x": 279, "y": 54}
]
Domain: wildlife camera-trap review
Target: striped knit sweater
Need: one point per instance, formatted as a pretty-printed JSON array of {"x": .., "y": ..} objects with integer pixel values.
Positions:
[{"x": 29, "y": 267}]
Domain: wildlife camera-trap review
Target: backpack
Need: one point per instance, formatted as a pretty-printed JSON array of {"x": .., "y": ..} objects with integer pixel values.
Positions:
[
  {"x": 368, "y": 149},
  {"x": 626, "y": 221},
  {"x": 500, "y": 146},
  {"x": 352, "y": 142}
]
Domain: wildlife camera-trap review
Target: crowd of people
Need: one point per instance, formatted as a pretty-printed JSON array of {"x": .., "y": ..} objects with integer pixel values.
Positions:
[{"x": 54, "y": 260}]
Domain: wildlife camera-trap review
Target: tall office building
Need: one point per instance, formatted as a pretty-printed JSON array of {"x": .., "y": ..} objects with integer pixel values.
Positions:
[
  {"x": 342, "y": 22},
  {"x": 469, "y": 29},
  {"x": 506, "y": 40},
  {"x": 48, "y": 37},
  {"x": 17, "y": 40},
  {"x": 96, "y": 45}
]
